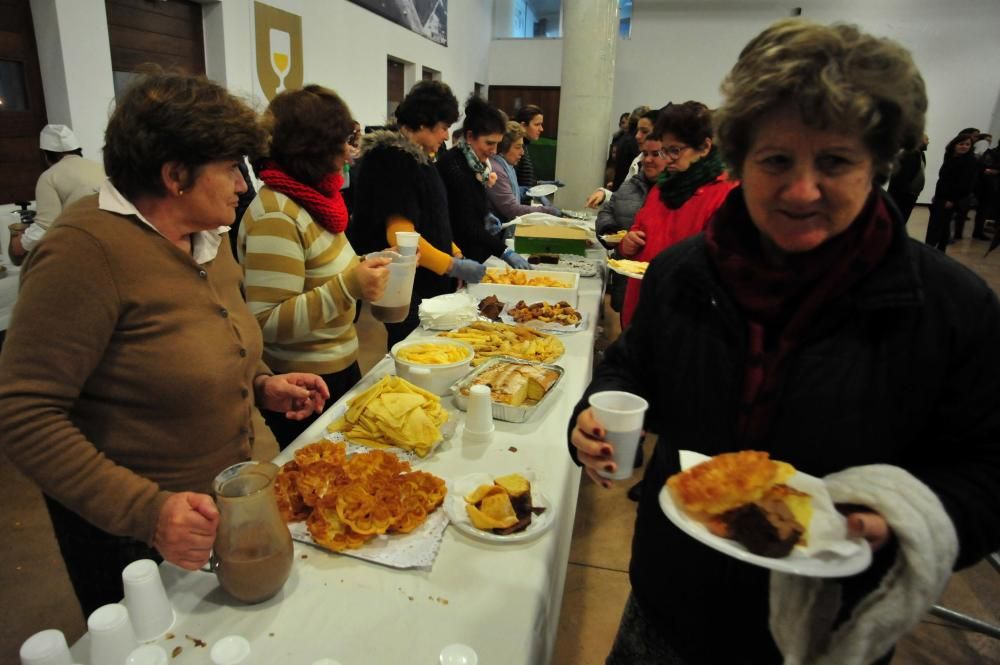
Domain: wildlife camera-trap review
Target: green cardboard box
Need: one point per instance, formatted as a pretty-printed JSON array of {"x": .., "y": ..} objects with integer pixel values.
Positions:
[{"x": 530, "y": 239}]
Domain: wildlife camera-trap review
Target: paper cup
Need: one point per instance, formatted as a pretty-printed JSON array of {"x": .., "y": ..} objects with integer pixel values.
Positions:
[
  {"x": 407, "y": 241},
  {"x": 621, "y": 414},
  {"x": 231, "y": 650},
  {"x": 147, "y": 654},
  {"x": 111, "y": 636},
  {"x": 479, "y": 415},
  {"x": 47, "y": 647},
  {"x": 149, "y": 608}
]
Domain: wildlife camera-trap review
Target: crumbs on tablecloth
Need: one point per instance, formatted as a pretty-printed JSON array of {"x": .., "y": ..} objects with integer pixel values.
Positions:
[
  {"x": 512, "y": 449},
  {"x": 168, "y": 636},
  {"x": 197, "y": 642},
  {"x": 270, "y": 634},
  {"x": 176, "y": 652},
  {"x": 439, "y": 599},
  {"x": 304, "y": 556}
]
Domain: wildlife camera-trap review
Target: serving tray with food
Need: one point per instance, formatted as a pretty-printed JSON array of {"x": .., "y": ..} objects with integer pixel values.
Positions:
[
  {"x": 559, "y": 317},
  {"x": 394, "y": 415},
  {"x": 517, "y": 387},
  {"x": 628, "y": 267},
  {"x": 501, "y": 509},
  {"x": 501, "y": 339},
  {"x": 763, "y": 512},
  {"x": 369, "y": 505},
  {"x": 512, "y": 285}
]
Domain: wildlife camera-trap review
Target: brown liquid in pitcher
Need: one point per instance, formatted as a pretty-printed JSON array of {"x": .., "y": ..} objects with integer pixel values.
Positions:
[
  {"x": 390, "y": 314},
  {"x": 252, "y": 578}
]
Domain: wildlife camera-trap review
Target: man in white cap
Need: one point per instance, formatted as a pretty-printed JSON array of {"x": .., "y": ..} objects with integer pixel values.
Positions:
[{"x": 69, "y": 177}]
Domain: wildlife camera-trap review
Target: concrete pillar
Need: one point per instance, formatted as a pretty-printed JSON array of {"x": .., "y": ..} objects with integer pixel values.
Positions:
[{"x": 590, "y": 38}]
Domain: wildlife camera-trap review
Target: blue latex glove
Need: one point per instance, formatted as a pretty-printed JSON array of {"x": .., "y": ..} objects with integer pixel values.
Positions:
[
  {"x": 466, "y": 270},
  {"x": 493, "y": 224},
  {"x": 515, "y": 260}
]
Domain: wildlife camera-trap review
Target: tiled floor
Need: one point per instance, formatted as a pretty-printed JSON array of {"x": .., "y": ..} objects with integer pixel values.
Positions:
[{"x": 36, "y": 592}]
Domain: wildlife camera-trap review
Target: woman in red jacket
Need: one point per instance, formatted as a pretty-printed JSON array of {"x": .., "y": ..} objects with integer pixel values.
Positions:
[{"x": 690, "y": 190}]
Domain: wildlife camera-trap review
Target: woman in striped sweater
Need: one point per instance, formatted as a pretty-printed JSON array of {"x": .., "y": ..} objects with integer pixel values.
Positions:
[{"x": 302, "y": 276}]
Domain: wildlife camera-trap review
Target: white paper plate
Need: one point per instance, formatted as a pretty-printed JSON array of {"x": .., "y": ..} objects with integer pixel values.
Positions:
[
  {"x": 454, "y": 506},
  {"x": 542, "y": 190},
  {"x": 546, "y": 326},
  {"x": 820, "y": 564},
  {"x": 633, "y": 275},
  {"x": 612, "y": 239}
]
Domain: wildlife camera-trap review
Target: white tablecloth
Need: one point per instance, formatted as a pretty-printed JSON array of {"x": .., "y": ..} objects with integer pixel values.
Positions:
[{"x": 502, "y": 600}]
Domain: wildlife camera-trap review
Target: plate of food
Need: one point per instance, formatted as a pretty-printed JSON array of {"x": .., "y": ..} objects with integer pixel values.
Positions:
[
  {"x": 628, "y": 267},
  {"x": 538, "y": 191},
  {"x": 557, "y": 317},
  {"x": 498, "y": 509},
  {"x": 762, "y": 512},
  {"x": 501, "y": 339},
  {"x": 614, "y": 238}
]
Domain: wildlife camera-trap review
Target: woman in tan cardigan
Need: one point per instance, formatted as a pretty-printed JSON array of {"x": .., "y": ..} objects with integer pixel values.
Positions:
[{"x": 131, "y": 373}]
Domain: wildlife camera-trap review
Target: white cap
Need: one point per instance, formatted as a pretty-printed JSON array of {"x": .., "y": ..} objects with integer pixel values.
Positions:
[{"x": 57, "y": 138}]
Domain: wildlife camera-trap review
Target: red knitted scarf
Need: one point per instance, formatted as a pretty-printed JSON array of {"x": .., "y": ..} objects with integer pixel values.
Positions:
[
  {"x": 324, "y": 202},
  {"x": 781, "y": 304}
]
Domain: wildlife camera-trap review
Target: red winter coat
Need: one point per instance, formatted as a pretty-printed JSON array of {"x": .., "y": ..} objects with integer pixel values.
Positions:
[{"x": 665, "y": 227}]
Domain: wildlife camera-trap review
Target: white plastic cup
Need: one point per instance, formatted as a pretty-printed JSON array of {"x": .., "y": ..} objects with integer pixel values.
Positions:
[
  {"x": 406, "y": 242},
  {"x": 621, "y": 414},
  {"x": 47, "y": 647},
  {"x": 147, "y": 654},
  {"x": 394, "y": 305},
  {"x": 111, "y": 636},
  {"x": 231, "y": 650},
  {"x": 149, "y": 608},
  {"x": 479, "y": 415}
]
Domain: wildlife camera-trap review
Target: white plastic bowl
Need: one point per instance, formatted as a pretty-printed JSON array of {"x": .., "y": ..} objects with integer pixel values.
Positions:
[{"x": 432, "y": 378}]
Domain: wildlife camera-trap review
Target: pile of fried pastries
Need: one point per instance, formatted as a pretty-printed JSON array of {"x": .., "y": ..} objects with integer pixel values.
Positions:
[
  {"x": 503, "y": 508},
  {"x": 562, "y": 313},
  {"x": 521, "y": 278},
  {"x": 347, "y": 501},
  {"x": 394, "y": 412},
  {"x": 500, "y": 339},
  {"x": 629, "y": 266}
]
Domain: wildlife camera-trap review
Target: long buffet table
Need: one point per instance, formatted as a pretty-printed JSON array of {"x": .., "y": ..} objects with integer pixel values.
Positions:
[{"x": 503, "y": 600}]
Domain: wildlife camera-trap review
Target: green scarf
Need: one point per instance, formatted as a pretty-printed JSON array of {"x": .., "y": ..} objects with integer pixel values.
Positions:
[
  {"x": 481, "y": 170},
  {"x": 677, "y": 188}
]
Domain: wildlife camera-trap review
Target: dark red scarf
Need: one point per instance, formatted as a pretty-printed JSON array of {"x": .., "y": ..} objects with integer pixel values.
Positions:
[
  {"x": 781, "y": 303},
  {"x": 324, "y": 202}
]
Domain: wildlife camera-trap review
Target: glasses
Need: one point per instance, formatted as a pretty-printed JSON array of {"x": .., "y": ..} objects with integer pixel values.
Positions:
[{"x": 673, "y": 152}]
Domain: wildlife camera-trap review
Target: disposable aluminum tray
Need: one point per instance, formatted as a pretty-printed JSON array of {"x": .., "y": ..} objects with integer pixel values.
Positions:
[{"x": 501, "y": 411}]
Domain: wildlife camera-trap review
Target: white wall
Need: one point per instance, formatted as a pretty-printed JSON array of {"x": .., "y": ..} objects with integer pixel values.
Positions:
[
  {"x": 525, "y": 62},
  {"x": 346, "y": 47}
]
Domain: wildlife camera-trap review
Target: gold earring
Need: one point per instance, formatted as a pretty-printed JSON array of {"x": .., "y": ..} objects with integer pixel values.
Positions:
[{"x": 180, "y": 192}]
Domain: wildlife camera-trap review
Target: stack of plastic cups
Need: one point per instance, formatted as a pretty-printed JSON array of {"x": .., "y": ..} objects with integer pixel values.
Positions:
[
  {"x": 479, "y": 416},
  {"x": 47, "y": 647},
  {"x": 149, "y": 608}
]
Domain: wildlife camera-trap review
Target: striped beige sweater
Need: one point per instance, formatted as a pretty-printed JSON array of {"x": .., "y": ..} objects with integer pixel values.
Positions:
[{"x": 301, "y": 284}]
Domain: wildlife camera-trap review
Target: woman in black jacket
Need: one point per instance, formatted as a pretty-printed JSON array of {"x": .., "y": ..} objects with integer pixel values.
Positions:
[
  {"x": 466, "y": 172},
  {"x": 956, "y": 179},
  {"x": 806, "y": 323}
]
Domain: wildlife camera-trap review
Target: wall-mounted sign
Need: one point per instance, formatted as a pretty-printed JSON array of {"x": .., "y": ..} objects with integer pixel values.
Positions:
[
  {"x": 279, "y": 49},
  {"x": 424, "y": 17}
]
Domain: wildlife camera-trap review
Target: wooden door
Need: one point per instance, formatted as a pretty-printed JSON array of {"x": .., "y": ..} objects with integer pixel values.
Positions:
[
  {"x": 509, "y": 98},
  {"x": 22, "y": 103},
  {"x": 394, "y": 88}
]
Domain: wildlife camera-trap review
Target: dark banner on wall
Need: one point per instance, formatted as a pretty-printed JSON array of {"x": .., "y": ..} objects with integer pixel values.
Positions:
[{"x": 424, "y": 17}]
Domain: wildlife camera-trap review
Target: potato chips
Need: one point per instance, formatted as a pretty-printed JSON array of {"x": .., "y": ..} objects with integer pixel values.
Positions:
[
  {"x": 501, "y": 339},
  {"x": 394, "y": 412},
  {"x": 521, "y": 278},
  {"x": 431, "y": 353},
  {"x": 348, "y": 501}
]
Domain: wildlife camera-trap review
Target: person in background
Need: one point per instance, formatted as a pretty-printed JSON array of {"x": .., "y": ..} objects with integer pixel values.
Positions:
[
  {"x": 353, "y": 151},
  {"x": 907, "y": 179},
  {"x": 246, "y": 198},
  {"x": 131, "y": 373},
  {"x": 690, "y": 189},
  {"x": 791, "y": 327},
  {"x": 302, "y": 276},
  {"x": 622, "y": 128},
  {"x": 67, "y": 178},
  {"x": 503, "y": 195},
  {"x": 467, "y": 174},
  {"x": 620, "y": 210},
  {"x": 956, "y": 180},
  {"x": 399, "y": 189},
  {"x": 987, "y": 191},
  {"x": 642, "y": 129},
  {"x": 627, "y": 148},
  {"x": 533, "y": 123}
]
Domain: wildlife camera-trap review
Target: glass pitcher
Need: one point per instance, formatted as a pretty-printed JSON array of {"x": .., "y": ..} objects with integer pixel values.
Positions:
[{"x": 253, "y": 549}]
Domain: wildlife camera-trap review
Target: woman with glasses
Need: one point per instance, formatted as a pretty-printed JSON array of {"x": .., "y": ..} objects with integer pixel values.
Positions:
[{"x": 690, "y": 189}]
